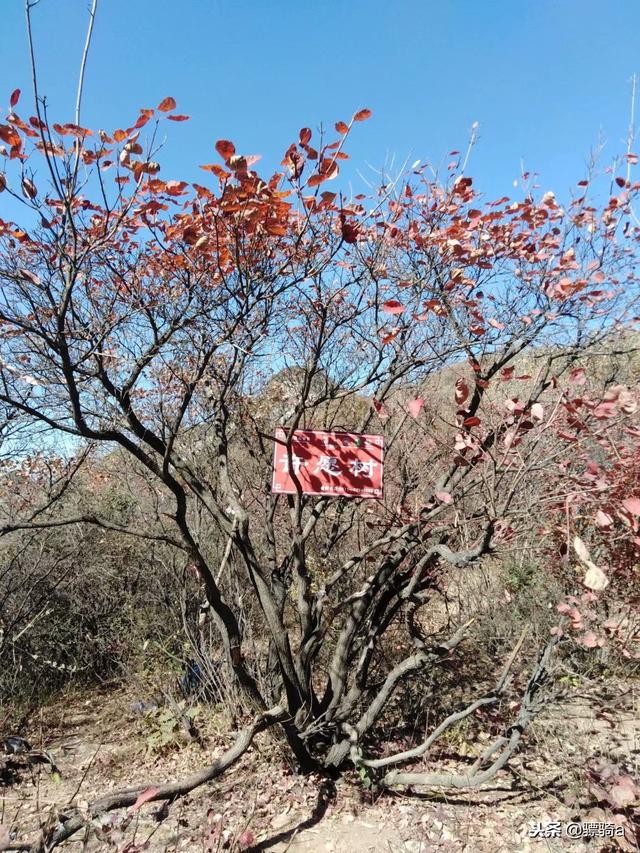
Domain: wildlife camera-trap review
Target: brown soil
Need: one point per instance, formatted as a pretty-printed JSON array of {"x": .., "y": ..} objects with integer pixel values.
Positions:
[{"x": 99, "y": 744}]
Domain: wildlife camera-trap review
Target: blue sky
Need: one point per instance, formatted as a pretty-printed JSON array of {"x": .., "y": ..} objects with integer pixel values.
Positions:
[{"x": 545, "y": 80}]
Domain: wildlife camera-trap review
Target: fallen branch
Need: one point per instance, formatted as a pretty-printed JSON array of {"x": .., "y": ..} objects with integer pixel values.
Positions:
[{"x": 153, "y": 793}]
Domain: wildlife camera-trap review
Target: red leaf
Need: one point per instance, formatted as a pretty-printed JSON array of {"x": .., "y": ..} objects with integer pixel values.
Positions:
[
  {"x": 217, "y": 170},
  {"x": 341, "y": 127},
  {"x": 392, "y": 306},
  {"x": 390, "y": 336},
  {"x": 305, "y": 136},
  {"x": 294, "y": 160},
  {"x": 578, "y": 376},
  {"x": 415, "y": 406},
  {"x": 142, "y": 120},
  {"x": 175, "y": 187},
  {"x": 144, "y": 797},
  {"x": 506, "y": 373},
  {"x": 166, "y": 105},
  {"x": 238, "y": 163},
  {"x": 381, "y": 409},
  {"x": 462, "y": 391},
  {"x": 246, "y": 840},
  {"x": 605, "y": 410},
  {"x": 9, "y": 135},
  {"x": 190, "y": 235},
  {"x": 15, "y": 97},
  {"x": 537, "y": 412},
  {"x": 328, "y": 167},
  {"x": 624, "y": 793},
  {"x": 603, "y": 519},
  {"x": 632, "y": 505},
  {"x": 225, "y": 148},
  {"x": 471, "y": 422},
  {"x": 589, "y": 640},
  {"x": 349, "y": 232},
  {"x": 362, "y": 115},
  {"x": 178, "y": 118},
  {"x": 29, "y": 189}
]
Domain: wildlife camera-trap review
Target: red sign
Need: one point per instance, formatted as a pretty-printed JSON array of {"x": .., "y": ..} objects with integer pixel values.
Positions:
[{"x": 343, "y": 464}]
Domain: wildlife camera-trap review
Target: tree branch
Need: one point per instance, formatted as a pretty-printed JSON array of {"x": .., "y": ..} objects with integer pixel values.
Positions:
[{"x": 531, "y": 706}]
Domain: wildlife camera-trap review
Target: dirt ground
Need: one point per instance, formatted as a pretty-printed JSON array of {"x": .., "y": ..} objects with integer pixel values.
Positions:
[{"x": 99, "y": 743}]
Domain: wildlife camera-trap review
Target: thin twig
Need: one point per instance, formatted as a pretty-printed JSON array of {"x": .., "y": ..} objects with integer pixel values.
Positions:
[
  {"x": 85, "y": 54},
  {"x": 84, "y": 775}
]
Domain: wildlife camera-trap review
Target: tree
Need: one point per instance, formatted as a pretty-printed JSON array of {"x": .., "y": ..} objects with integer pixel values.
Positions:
[{"x": 153, "y": 317}]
